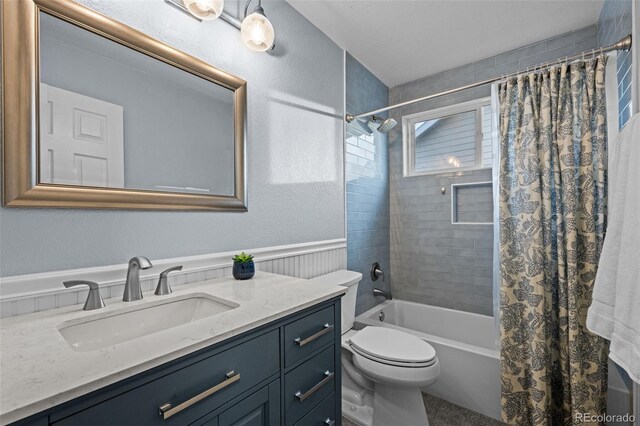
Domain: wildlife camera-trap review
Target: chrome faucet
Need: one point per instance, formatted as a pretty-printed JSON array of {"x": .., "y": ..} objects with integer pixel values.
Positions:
[
  {"x": 385, "y": 294},
  {"x": 132, "y": 289}
]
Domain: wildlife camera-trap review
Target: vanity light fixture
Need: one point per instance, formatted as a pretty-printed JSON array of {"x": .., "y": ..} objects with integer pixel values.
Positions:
[
  {"x": 256, "y": 30},
  {"x": 206, "y": 10}
]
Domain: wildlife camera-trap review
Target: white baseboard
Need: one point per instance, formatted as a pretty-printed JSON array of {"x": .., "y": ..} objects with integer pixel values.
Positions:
[{"x": 23, "y": 294}]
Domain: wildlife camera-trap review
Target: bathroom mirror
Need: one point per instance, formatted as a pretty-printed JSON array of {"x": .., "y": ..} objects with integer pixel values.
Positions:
[{"x": 99, "y": 115}]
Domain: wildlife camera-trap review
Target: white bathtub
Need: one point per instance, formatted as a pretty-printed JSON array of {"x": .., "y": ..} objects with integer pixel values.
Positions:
[{"x": 469, "y": 360}]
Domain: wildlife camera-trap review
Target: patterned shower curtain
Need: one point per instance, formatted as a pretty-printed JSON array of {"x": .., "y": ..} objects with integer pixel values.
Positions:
[{"x": 552, "y": 219}]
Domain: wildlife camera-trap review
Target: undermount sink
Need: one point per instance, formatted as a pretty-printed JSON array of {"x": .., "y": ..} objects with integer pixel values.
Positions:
[{"x": 100, "y": 330}]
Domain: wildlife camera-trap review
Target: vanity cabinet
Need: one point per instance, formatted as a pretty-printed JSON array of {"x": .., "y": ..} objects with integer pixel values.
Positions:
[{"x": 283, "y": 373}]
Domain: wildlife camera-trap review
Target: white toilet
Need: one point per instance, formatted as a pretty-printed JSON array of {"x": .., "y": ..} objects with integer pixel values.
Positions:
[{"x": 383, "y": 369}]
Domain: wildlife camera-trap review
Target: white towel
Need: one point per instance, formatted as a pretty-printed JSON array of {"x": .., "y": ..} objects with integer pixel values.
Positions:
[{"x": 615, "y": 311}]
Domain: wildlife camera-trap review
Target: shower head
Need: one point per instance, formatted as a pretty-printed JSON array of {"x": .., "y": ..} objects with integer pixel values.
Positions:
[{"x": 384, "y": 126}]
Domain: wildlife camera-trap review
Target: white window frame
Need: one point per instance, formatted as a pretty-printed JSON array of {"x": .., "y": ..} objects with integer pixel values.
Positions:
[{"x": 409, "y": 143}]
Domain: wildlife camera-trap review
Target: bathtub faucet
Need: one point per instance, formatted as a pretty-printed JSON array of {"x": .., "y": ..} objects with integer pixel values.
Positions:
[{"x": 385, "y": 294}]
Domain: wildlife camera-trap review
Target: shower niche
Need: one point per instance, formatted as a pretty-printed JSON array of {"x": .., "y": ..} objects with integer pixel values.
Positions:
[{"x": 472, "y": 203}]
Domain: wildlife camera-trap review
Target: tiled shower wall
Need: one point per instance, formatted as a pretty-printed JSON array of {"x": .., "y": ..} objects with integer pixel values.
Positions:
[
  {"x": 432, "y": 260},
  {"x": 367, "y": 181},
  {"x": 615, "y": 23}
]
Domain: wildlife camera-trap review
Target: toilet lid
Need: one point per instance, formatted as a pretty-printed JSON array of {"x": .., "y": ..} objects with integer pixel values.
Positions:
[{"x": 392, "y": 345}]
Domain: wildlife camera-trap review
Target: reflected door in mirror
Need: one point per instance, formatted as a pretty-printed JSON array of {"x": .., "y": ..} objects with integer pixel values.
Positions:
[{"x": 81, "y": 139}]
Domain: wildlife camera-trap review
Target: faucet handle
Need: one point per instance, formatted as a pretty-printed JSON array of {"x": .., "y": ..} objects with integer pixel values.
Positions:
[
  {"x": 376, "y": 272},
  {"x": 163, "y": 283},
  {"x": 94, "y": 300}
]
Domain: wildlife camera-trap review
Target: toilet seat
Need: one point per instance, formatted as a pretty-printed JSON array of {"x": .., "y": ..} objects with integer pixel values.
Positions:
[{"x": 392, "y": 347}]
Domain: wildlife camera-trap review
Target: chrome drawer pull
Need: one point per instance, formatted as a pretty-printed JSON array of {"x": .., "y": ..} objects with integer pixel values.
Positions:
[
  {"x": 166, "y": 410},
  {"x": 327, "y": 378},
  {"x": 326, "y": 329},
  {"x": 329, "y": 422}
]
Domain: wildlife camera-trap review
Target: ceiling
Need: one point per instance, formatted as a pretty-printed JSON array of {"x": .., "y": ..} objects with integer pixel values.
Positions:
[{"x": 403, "y": 40}]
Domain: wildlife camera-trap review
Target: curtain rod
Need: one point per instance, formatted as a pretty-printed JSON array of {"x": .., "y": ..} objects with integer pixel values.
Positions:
[{"x": 622, "y": 44}]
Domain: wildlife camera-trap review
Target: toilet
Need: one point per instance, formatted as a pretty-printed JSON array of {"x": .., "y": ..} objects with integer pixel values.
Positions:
[{"x": 383, "y": 369}]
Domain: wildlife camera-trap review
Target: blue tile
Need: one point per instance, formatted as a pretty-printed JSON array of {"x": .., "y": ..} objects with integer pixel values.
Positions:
[{"x": 367, "y": 175}]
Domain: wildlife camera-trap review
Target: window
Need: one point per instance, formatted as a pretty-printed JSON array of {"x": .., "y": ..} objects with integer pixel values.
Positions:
[{"x": 454, "y": 138}]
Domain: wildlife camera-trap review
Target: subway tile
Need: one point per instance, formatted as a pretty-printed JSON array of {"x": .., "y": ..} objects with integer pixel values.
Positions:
[
  {"x": 461, "y": 261},
  {"x": 532, "y": 49},
  {"x": 474, "y": 67},
  {"x": 475, "y": 253},
  {"x": 483, "y": 310},
  {"x": 587, "y": 43},
  {"x": 455, "y": 83},
  {"x": 482, "y": 281},
  {"x": 463, "y": 297},
  {"x": 463, "y": 276},
  {"x": 483, "y": 243},
  {"x": 442, "y": 76},
  {"x": 449, "y": 242},
  {"x": 572, "y": 37},
  {"x": 548, "y": 56},
  {"x": 497, "y": 71},
  {"x": 511, "y": 56},
  {"x": 483, "y": 300},
  {"x": 484, "y": 291}
]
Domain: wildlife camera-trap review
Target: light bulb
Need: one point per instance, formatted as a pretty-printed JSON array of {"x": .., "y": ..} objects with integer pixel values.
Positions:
[
  {"x": 207, "y": 10},
  {"x": 257, "y": 32}
]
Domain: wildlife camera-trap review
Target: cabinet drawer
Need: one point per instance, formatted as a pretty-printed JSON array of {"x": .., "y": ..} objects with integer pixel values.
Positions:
[
  {"x": 324, "y": 414},
  {"x": 192, "y": 391},
  {"x": 307, "y": 334},
  {"x": 308, "y": 384}
]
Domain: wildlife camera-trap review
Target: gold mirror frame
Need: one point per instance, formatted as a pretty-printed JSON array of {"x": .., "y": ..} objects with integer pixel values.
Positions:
[{"x": 20, "y": 94}]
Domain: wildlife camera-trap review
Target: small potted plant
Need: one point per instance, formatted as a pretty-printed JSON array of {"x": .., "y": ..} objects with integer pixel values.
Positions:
[{"x": 243, "y": 266}]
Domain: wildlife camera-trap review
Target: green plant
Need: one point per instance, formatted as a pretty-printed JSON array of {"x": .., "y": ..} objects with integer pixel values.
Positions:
[{"x": 243, "y": 258}]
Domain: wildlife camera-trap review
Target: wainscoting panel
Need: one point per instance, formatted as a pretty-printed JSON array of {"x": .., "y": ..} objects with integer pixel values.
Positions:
[{"x": 25, "y": 294}]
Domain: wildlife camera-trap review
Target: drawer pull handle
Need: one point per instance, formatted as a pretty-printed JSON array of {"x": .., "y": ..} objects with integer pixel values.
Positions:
[
  {"x": 327, "y": 378},
  {"x": 166, "y": 410},
  {"x": 329, "y": 422},
  {"x": 326, "y": 329}
]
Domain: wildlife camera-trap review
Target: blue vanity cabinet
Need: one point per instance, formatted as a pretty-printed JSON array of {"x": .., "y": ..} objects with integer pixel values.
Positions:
[
  {"x": 283, "y": 373},
  {"x": 191, "y": 392}
]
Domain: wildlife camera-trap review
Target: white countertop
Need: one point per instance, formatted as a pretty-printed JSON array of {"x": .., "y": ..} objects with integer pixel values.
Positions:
[{"x": 39, "y": 370}]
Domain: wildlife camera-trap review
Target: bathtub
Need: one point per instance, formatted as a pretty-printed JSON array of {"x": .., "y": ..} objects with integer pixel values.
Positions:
[
  {"x": 464, "y": 342},
  {"x": 469, "y": 359}
]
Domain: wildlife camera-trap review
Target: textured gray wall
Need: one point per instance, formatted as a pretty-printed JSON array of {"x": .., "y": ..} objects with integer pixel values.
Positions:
[
  {"x": 615, "y": 23},
  {"x": 367, "y": 176},
  {"x": 433, "y": 261},
  {"x": 294, "y": 150}
]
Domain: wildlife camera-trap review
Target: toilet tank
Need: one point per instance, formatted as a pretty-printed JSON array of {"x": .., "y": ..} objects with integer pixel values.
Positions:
[{"x": 349, "y": 279}]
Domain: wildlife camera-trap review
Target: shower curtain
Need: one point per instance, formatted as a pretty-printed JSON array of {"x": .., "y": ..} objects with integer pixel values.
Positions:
[{"x": 552, "y": 218}]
